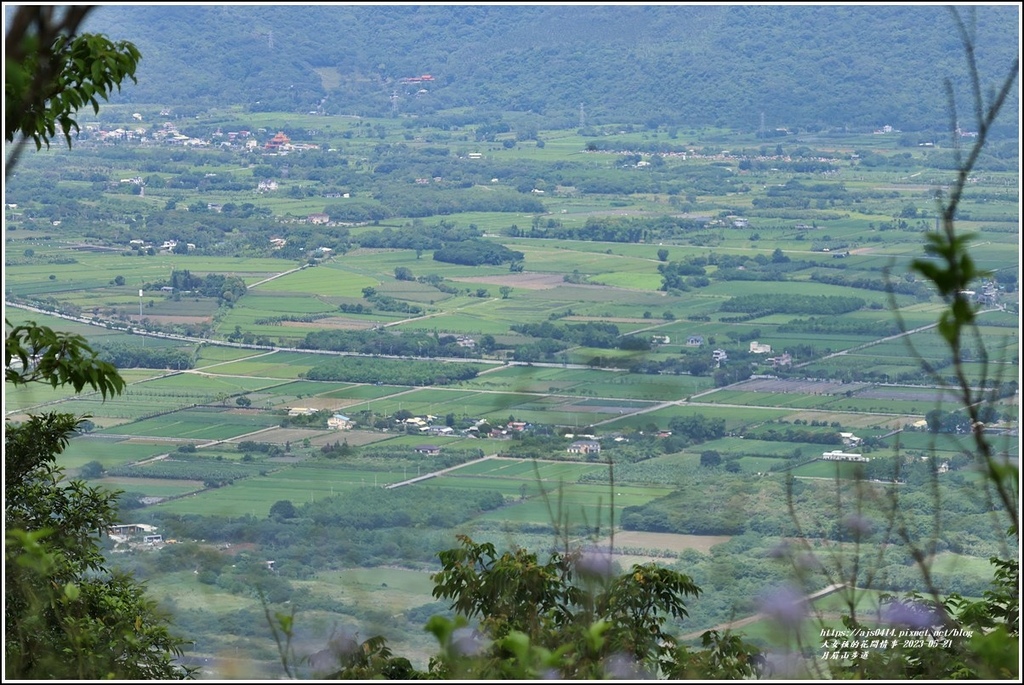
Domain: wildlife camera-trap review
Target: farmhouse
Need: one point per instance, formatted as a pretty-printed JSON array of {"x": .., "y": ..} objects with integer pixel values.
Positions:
[
  {"x": 441, "y": 430},
  {"x": 759, "y": 348},
  {"x": 318, "y": 218},
  {"x": 839, "y": 455},
  {"x": 124, "y": 532},
  {"x": 339, "y": 422},
  {"x": 416, "y": 422},
  {"x": 428, "y": 449},
  {"x": 301, "y": 411},
  {"x": 694, "y": 340},
  {"x": 850, "y": 439},
  {"x": 126, "y": 529},
  {"x": 584, "y": 447}
]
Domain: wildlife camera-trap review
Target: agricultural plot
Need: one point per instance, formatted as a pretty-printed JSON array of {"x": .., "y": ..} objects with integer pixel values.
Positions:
[
  {"x": 924, "y": 442},
  {"x": 326, "y": 280},
  {"x": 475, "y": 318},
  {"x": 199, "y": 425},
  {"x": 312, "y": 388},
  {"x": 162, "y": 488},
  {"x": 208, "y": 385},
  {"x": 36, "y": 397},
  {"x": 520, "y": 469},
  {"x": 211, "y": 355},
  {"x": 669, "y": 543},
  {"x": 136, "y": 402},
  {"x": 361, "y": 392},
  {"x": 759, "y": 464},
  {"x": 107, "y": 451},
  {"x": 296, "y": 483},
  {"x": 767, "y": 399},
  {"x": 587, "y": 505},
  {"x": 317, "y": 438},
  {"x": 438, "y": 402},
  {"x": 413, "y": 291},
  {"x": 794, "y": 452},
  {"x": 829, "y": 470},
  {"x": 736, "y": 418},
  {"x": 262, "y": 301},
  {"x": 829, "y": 397},
  {"x": 273, "y": 365},
  {"x": 521, "y": 378},
  {"x": 595, "y": 383},
  {"x": 890, "y": 369}
]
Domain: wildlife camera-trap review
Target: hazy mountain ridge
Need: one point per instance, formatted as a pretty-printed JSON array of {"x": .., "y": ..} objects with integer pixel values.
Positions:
[{"x": 801, "y": 66}]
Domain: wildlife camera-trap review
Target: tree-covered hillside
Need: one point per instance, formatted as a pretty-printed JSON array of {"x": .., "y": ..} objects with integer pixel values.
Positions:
[{"x": 738, "y": 66}]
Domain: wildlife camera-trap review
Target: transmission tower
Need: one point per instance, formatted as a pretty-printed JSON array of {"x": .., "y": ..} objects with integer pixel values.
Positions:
[{"x": 583, "y": 117}]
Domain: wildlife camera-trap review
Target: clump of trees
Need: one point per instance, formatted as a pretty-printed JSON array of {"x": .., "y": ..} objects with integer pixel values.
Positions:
[
  {"x": 218, "y": 286},
  {"x": 475, "y": 252}
]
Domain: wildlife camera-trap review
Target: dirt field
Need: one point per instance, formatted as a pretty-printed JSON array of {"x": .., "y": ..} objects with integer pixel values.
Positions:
[
  {"x": 800, "y": 386},
  {"x": 521, "y": 280},
  {"x": 670, "y": 542},
  {"x": 321, "y": 403},
  {"x": 279, "y": 436},
  {"x": 335, "y": 322},
  {"x": 162, "y": 319}
]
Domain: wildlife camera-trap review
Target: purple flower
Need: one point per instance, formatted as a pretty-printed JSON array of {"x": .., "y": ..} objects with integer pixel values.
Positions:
[
  {"x": 808, "y": 561},
  {"x": 596, "y": 563},
  {"x": 858, "y": 525},
  {"x": 623, "y": 667},
  {"x": 331, "y": 656},
  {"x": 910, "y": 614},
  {"x": 784, "y": 665},
  {"x": 466, "y": 642},
  {"x": 786, "y": 606}
]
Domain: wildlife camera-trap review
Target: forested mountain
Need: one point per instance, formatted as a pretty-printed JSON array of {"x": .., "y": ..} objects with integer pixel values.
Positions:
[{"x": 740, "y": 66}]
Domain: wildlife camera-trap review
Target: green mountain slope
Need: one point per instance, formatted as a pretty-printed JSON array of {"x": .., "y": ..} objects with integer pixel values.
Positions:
[{"x": 798, "y": 66}]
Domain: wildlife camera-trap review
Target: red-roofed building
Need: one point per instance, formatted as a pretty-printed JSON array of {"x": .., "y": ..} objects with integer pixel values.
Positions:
[{"x": 278, "y": 141}]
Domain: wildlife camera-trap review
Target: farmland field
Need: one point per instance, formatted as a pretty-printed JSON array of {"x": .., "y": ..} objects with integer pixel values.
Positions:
[{"x": 200, "y": 424}]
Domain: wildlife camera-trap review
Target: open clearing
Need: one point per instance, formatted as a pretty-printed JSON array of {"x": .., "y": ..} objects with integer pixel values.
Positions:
[{"x": 671, "y": 542}]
